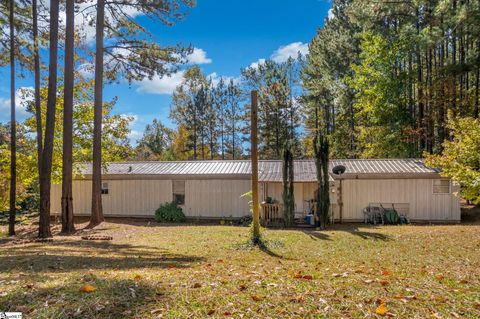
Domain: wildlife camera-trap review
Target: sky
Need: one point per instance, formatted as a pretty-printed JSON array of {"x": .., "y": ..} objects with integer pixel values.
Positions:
[{"x": 226, "y": 36}]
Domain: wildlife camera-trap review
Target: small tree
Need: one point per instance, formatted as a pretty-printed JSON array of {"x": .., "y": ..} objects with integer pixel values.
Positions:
[
  {"x": 460, "y": 159},
  {"x": 320, "y": 147}
]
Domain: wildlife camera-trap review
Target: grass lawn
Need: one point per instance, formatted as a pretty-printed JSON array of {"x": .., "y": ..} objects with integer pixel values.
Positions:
[{"x": 152, "y": 271}]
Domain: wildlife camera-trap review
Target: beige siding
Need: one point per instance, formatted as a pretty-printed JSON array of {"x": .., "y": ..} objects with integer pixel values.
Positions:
[
  {"x": 417, "y": 193},
  {"x": 216, "y": 198},
  {"x": 221, "y": 198},
  {"x": 124, "y": 198}
]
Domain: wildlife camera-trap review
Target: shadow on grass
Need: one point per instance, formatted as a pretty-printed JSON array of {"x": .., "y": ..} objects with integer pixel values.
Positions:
[
  {"x": 264, "y": 247},
  {"x": 72, "y": 254},
  {"x": 351, "y": 229},
  {"x": 113, "y": 298}
]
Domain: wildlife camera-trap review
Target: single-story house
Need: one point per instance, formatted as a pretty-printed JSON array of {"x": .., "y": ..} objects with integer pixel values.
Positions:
[{"x": 214, "y": 189}]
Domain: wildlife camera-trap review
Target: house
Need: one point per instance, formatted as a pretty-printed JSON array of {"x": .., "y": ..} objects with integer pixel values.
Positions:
[{"x": 213, "y": 189}]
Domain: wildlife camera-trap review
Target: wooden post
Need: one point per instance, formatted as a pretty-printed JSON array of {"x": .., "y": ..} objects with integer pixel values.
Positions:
[{"x": 254, "y": 155}]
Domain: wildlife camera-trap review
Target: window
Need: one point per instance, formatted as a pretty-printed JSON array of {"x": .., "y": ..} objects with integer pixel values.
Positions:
[
  {"x": 441, "y": 186},
  {"x": 178, "y": 189},
  {"x": 105, "y": 188}
]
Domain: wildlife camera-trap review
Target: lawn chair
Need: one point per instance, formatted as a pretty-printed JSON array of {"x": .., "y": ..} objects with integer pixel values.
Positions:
[{"x": 374, "y": 214}]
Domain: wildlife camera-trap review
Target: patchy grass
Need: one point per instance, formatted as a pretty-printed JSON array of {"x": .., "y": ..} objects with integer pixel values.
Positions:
[
  {"x": 22, "y": 218},
  {"x": 151, "y": 271}
]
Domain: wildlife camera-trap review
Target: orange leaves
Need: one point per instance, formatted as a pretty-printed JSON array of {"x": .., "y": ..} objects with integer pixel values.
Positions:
[
  {"x": 386, "y": 272},
  {"x": 381, "y": 310},
  {"x": 304, "y": 277},
  {"x": 299, "y": 275},
  {"x": 87, "y": 288},
  {"x": 383, "y": 282},
  {"x": 256, "y": 298},
  {"x": 297, "y": 299},
  {"x": 242, "y": 287}
]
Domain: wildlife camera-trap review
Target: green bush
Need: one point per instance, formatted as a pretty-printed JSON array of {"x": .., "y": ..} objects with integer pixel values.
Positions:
[
  {"x": 246, "y": 220},
  {"x": 169, "y": 212}
]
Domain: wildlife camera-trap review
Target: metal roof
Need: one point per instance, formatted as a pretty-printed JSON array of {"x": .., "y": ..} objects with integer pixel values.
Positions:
[{"x": 269, "y": 170}]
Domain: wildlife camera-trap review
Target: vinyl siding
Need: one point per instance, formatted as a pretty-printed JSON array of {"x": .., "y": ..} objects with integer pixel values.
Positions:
[
  {"x": 423, "y": 204},
  {"x": 219, "y": 198}
]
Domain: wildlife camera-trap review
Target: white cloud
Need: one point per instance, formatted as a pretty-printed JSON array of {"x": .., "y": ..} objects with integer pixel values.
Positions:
[
  {"x": 255, "y": 64},
  {"x": 330, "y": 14},
  {"x": 134, "y": 135},
  {"x": 198, "y": 56},
  {"x": 215, "y": 78},
  {"x": 161, "y": 85},
  {"x": 290, "y": 50},
  {"x": 86, "y": 17},
  {"x": 87, "y": 70},
  {"x": 283, "y": 53},
  {"x": 132, "y": 116},
  {"x": 23, "y": 95}
]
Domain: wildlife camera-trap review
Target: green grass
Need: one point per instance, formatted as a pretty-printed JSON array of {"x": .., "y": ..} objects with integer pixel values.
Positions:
[
  {"x": 151, "y": 271},
  {"x": 22, "y": 218}
]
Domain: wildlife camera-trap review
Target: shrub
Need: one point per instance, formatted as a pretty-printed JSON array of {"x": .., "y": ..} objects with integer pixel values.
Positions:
[
  {"x": 246, "y": 220},
  {"x": 169, "y": 212}
]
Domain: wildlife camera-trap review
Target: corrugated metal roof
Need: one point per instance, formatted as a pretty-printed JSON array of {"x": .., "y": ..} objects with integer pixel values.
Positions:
[{"x": 269, "y": 170}]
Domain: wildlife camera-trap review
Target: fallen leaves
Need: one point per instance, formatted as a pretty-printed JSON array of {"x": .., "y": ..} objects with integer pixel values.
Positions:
[
  {"x": 87, "y": 288},
  {"x": 439, "y": 277},
  {"x": 381, "y": 310},
  {"x": 197, "y": 285},
  {"x": 242, "y": 287},
  {"x": 299, "y": 275},
  {"x": 405, "y": 299},
  {"x": 386, "y": 272},
  {"x": 384, "y": 282},
  {"x": 256, "y": 298}
]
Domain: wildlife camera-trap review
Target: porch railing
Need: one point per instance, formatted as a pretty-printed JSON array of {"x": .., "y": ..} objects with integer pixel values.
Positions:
[{"x": 271, "y": 213}]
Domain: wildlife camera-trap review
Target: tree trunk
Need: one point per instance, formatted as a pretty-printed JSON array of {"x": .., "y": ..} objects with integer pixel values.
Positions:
[
  {"x": 352, "y": 130},
  {"x": 288, "y": 196},
  {"x": 222, "y": 137},
  {"x": 67, "y": 200},
  {"x": 36, "y": 71},
  {"x": 454, "y": 63},
  {"x": 233, "y": 135},
  {"x": 477, "y": 80},
  {"x": 194, "y": 134},
  {"x": 47, "y": 153},
  {"x": 477, "y": 83},
  {"x": 321, "y": 148},
  {"x": 97, "y": 211},
  {"x": 442, "y": 104},
  {"x": 13, "y": 126}
]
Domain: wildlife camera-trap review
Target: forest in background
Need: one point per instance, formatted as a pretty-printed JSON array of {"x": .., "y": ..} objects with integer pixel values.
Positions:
[{"x": 382, "y": 79}]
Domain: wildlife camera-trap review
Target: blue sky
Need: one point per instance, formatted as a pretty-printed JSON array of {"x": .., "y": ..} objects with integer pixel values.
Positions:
[{"x": 226, "y": 35}]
